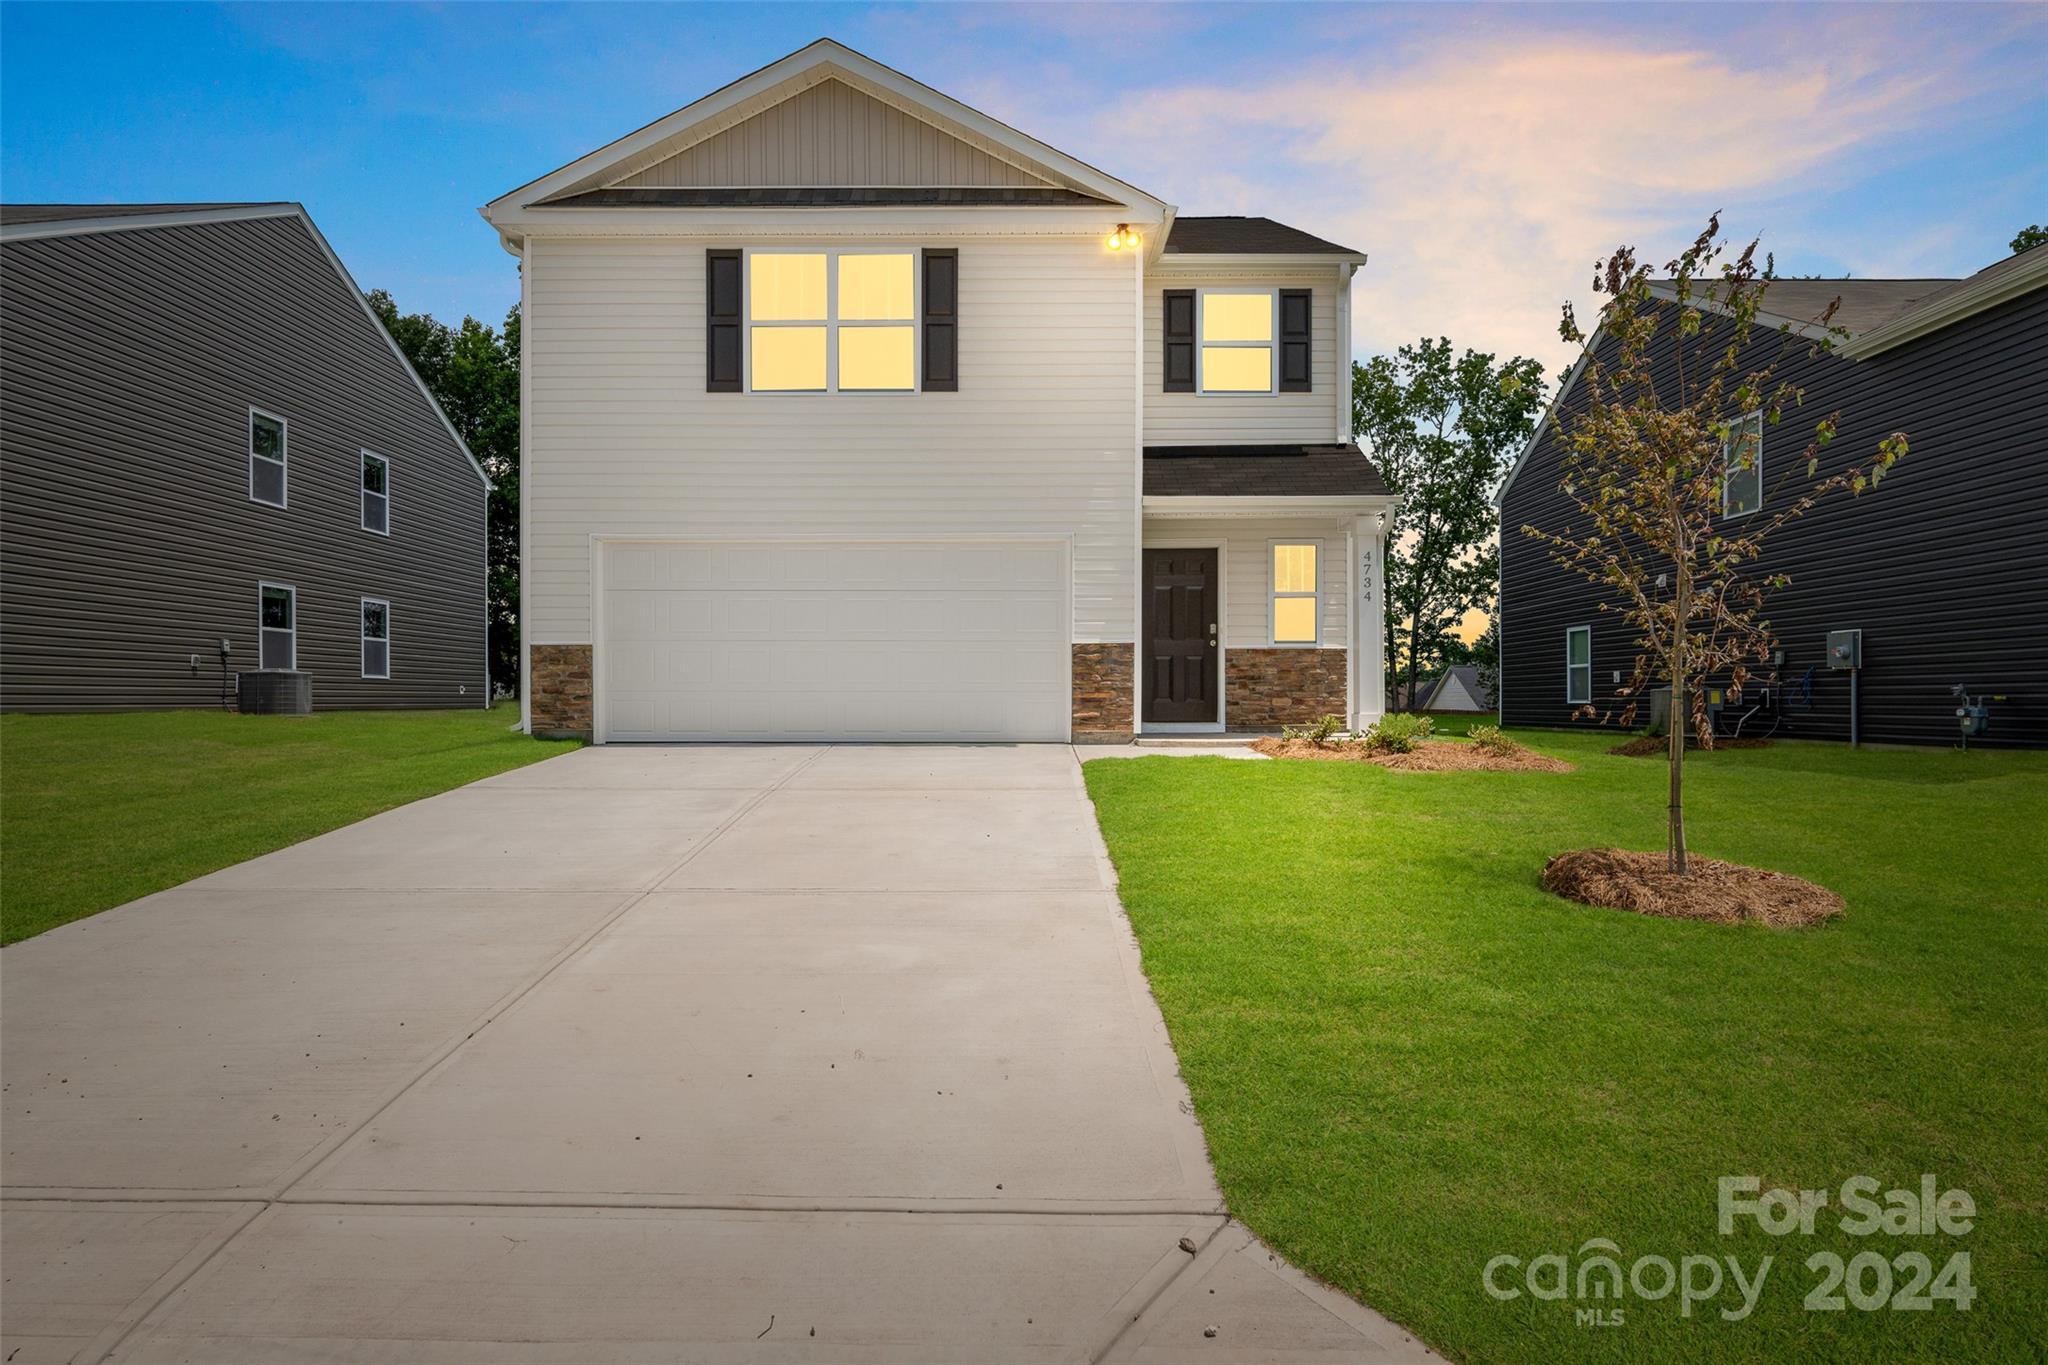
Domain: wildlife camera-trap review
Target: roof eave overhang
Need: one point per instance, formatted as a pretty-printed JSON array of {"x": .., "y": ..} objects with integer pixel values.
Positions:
[
  {"x": 1196, "y": 262},
  {"x": 974, "y": 220},
  {"x": 1964, "y": 301},
  {"x": 1326, "y": 505}
]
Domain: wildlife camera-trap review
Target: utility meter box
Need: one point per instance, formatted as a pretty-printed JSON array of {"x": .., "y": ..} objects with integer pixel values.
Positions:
[{"x": 1845, "y": 649}]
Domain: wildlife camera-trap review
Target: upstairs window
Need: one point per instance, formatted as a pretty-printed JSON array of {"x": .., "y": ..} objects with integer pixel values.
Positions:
[
  {"x": 1237, "y": 328},
  {"x": 1296, "y": 608},
  {"x": 277, "y": 627},
  {"x": 1578, "y": 665},
  {"x": 266, "y": 459},
  {"x": 1742, "y": 467},
  {"x": 831, "y": 321},
  {"x": 376, "y": 638},
  {"x": 376, "y": 494}
]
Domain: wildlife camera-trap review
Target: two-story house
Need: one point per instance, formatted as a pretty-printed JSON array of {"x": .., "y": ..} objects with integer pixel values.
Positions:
[
  {"x": 1935, "y": 581},
  {"x": 850, "y": 412},
  {"x": 216, "y": 460}
]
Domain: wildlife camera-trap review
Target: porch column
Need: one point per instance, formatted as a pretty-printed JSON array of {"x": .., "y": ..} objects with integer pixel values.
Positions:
[{"x": 1368, "y": 637}]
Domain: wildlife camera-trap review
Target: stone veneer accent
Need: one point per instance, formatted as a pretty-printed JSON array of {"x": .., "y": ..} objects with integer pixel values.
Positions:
[
  {"x": 1264, "y": 689},
  {"x": 561, "y": 690},
  {"x": 1104, "y": 692}
]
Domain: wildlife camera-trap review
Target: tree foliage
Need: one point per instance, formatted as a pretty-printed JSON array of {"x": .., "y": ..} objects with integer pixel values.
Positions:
[
  {"x": 1670, "y": 386},
  {"x": 1443, "y": 428},
  {"x": 2028, "y": 238},
  {"x": 473, "y": 372}
]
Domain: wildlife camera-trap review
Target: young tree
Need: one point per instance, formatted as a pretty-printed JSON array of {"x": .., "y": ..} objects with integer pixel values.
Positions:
[
  {"x": 1673, "y": 398},
  {"x": 473, "y": 373},
  {"x": 1442, "y": 429},
  {"x": 2029, "y": 237}
]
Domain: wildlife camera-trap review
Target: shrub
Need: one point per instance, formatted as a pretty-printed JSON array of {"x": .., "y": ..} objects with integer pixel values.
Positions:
[
  {"x": 1317, "y": 734},
  {"x": 1488, "y": 739},
  {"x": 1397, "y": 733}
]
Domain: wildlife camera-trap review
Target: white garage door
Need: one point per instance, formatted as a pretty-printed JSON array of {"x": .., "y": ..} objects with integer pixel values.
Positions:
[{"x": 784, "y": 640}]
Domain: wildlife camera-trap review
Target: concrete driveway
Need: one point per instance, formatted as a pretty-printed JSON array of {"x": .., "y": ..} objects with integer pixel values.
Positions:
[{"x": 828, "y": 1053}]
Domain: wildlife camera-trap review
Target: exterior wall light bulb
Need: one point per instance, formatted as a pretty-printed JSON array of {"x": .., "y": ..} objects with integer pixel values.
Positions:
[{"x": 1122, "y": 237}]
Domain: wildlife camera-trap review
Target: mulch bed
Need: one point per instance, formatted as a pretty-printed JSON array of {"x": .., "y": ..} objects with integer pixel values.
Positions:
[
  {"x": 1717, "y": 892},
  {"x": 1646, "y": 746},
  {"x": 1433, "y": 756}
]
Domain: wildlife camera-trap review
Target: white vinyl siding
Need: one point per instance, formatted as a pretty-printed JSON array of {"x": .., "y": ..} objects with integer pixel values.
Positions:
[
  {"x": 831, "y": 134},
  {"x": 1247, "y": 418},
  {"x": 624, "y": 440},
  {"x": 1247, "y": 580}
]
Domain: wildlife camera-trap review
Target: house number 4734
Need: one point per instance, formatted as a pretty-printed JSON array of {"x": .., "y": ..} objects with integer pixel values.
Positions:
[{"x": 1905, "y": 1283}]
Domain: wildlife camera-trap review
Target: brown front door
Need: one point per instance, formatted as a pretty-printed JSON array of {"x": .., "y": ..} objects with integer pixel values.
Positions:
[{"x": 1180, "y": 635}]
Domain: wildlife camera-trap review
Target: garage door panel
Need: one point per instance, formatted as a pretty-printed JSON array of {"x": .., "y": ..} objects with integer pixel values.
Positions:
[{"x": 808, "y": 640}]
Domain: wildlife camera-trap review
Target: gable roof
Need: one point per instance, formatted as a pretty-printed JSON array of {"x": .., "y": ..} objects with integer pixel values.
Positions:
[
  {"x": 28, "y": 222},
  {"x": 1877, "y": 315},
  {"x": 824, "y": 81},
  {"x": 1466, "y": 676},
  {"x": 1239, "y": 236}
]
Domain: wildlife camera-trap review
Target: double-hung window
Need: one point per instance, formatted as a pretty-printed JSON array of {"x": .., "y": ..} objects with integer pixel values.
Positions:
[
  {"x": 838, "y": 321},
  {"x": 1237, "y": 328},
  {"x": 376, "y": 638},
  {"x": 1296, "y": 607},
  {"x": 266, "y": 459},
  {"x": 376, "y": 494},
  {"x": 1578, "y": 665},
  {"x": 1742, "y": 466},
  {"x": 277, "y": 626}
]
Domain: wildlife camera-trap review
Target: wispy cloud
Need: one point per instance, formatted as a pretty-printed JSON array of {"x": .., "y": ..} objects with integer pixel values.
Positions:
[{"x": 1484, "y": 170}]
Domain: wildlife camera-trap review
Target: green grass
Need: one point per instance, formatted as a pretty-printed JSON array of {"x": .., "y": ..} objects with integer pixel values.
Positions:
[
  {"x": 96, "y": 810},
  {"x": 1409, "y": 1058}
]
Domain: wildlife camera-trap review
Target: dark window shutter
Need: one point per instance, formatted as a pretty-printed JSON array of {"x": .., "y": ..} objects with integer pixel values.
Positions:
[
  {"x": 1297, "y": 315},
  {"x": 942, "y": 321},
  {"x": 1178, "y": 315},
  {"x": 722, "y": 303}
]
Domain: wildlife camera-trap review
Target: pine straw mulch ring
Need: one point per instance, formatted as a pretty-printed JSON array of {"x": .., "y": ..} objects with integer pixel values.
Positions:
[
  {"x": 1430, "y": 756},
  {"x": 1646, "y": 746},
  {"x": 1716, "y": 892}
]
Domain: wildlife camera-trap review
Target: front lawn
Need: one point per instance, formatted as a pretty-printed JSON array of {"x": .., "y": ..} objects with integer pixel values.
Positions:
[
  {"x": 96, "y": 810},
  {"x": 1410, "y": 1059}
]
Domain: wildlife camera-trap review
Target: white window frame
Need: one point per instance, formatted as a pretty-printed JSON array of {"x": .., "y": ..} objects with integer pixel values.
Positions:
[
  {"x": 284, "y": 437},
  {"x": 364, "y": 495},
  {"x": 830, "y": 322},
  {"x": 263, "y": 586},
  {"x": 1735, "y": 432},
  {"x": 364, "y": 637},
  {"x": 1272, "y": 353},
  {"x": 1569, "y": 699},
  {"x": 1273, "y": 594}
]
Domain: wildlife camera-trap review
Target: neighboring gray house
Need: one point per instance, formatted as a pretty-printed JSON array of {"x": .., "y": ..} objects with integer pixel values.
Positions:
[
  {"x": 1458, "y": 690},
  {"x": 215, "y": 459}
]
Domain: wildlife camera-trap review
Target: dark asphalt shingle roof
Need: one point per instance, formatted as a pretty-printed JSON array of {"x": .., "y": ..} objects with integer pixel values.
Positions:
[
  {"x": 1260, "y": 472},
  {"x": 1865, "y": 303},
  {"x": 14, "y": 215},
  {"x": 815, "y": 196},
  {"x": 1246, "y": 236}
]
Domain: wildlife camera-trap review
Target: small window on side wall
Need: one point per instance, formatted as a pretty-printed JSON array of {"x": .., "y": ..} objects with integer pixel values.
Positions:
[
  {"x": 1742, "y": 467},
  {"x": 1296, "y": 611},
  {"x": 376, "y": 494},
  {"x": 376, "y": 638},
  {"x": 266, "y": 459},
  {"x": 277, "y": 626},
  {"x": 1578, "y": 665}
]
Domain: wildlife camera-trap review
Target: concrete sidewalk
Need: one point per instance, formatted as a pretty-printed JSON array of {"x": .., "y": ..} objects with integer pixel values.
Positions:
[{"x": 831, "y": 1053}]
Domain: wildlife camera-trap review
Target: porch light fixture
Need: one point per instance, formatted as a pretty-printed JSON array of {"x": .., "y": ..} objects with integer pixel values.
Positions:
[{"x": 1122, "y": 238}]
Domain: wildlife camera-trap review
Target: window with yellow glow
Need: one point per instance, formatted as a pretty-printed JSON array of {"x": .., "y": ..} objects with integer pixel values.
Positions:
[
  {"x": 831, "y": 321},
  {"x": 1237, "y": 340},
  {"x": 1295, "y": 603}
]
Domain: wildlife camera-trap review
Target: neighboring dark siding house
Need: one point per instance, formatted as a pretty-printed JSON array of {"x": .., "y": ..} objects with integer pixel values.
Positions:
[
  {"x": 1944, "y": 567},
  {"x": 206, "y": 436}
]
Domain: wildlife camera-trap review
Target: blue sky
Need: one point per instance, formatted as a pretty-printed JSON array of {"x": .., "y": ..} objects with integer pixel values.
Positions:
[{"x": 1483, "y": 156}]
